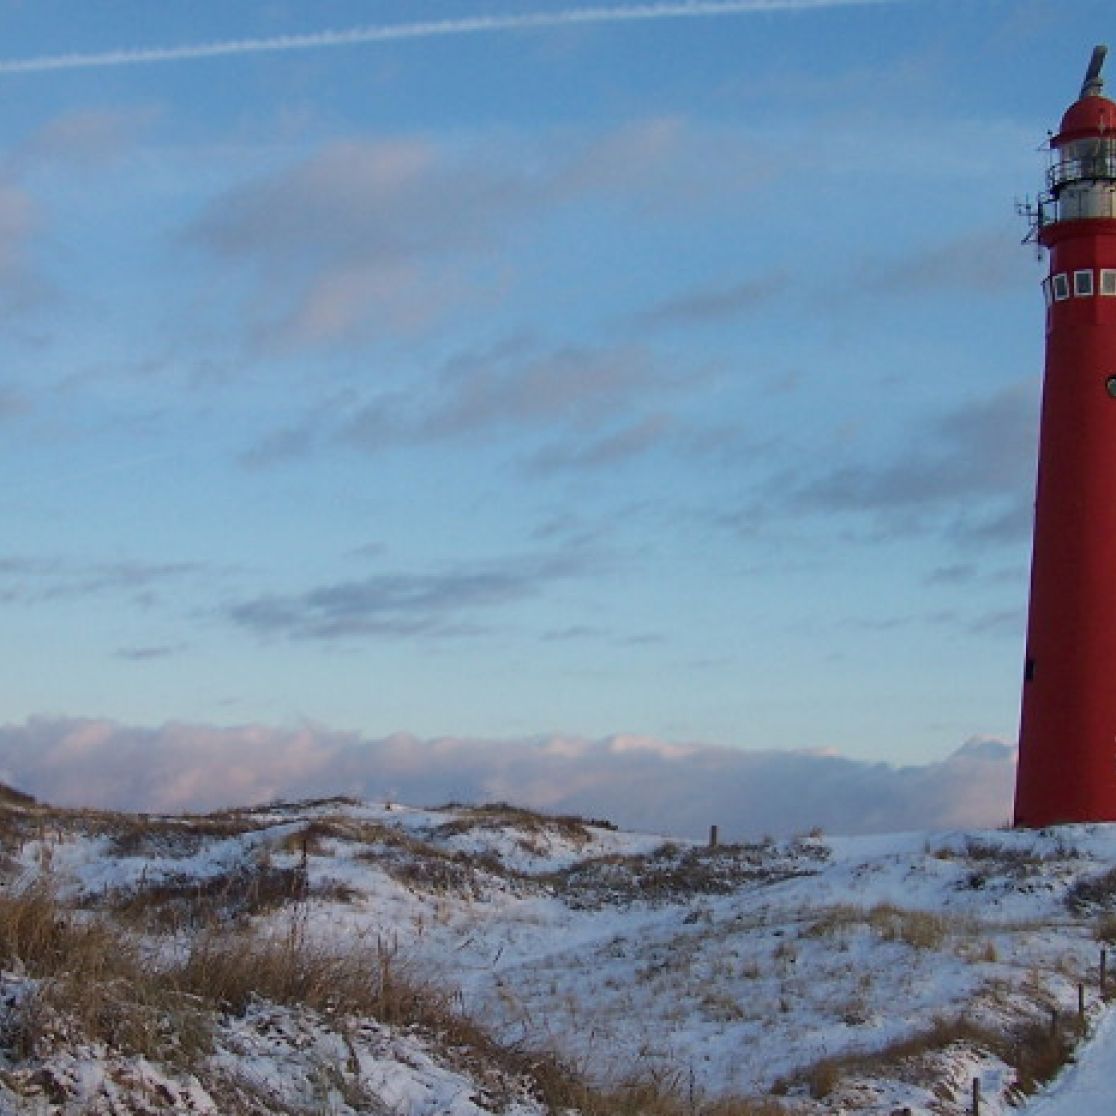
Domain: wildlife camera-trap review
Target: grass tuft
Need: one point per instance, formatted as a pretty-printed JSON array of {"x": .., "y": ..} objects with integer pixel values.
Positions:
[{"x": 1093, "y": 893}]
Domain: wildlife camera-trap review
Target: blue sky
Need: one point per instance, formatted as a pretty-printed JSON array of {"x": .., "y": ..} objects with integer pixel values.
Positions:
[{"x": 675, "y": 377}]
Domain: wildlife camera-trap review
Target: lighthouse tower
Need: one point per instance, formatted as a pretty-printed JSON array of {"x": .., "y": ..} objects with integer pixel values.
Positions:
[{"x": 1067, "y": 740}]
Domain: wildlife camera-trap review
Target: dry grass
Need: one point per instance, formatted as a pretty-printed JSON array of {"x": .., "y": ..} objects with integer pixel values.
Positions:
[
  {"x": 1035, "y": 1050},
  {"x": 18, "y": 825},
  {"x": 669, "y": 873},
  {"x": 22, "y": 819},
  {"x": 425, "y": 867},
  {"x": 917, "y": 929},
  {"x": 652, "y": 1100},
  {"x": 1018, "y": 861},
  {"x": 311, "y": 840},
  {"x": 1094, "y": 893},
  {"x": 230, "y": 968},
  {"x": 293, "y": 806},
  {"x": 180, "y": 902},
  {"x": 96, "y": 986},
  {"x": 672, "y": 873},
  {"x": 144, "y": 835},
  {"x": 497, "y": 814},
  {"x": 93, "y": 984},
  {"x": 49, "y": 940},
  {"x": 238, "y": 1092},
  {"x": 10, "y": 796},
  {"x": 374, "y": 981},
  {"x": 988, "y": 860}
]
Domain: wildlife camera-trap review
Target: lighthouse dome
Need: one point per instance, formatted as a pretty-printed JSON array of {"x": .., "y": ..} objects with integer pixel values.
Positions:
[{"x": 1090, "y": 116}]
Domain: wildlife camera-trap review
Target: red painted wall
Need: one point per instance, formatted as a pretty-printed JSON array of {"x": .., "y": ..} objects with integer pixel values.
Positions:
[{"x": 1067, "y": 745}]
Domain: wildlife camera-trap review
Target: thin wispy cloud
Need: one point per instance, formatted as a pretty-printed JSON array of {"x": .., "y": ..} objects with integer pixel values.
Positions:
[
  {"x": 376, "y": 235},
  {"x": 425, "y": 29},
  {"x": 122, "y": 465},
  {"x": 86, "y": 137},
  {"x": 974, "y": 458},
  {"x": 149, "y": 653},
  {"x": 12, "y": 402},
  {"x": 401, "y": 605},
  {"x": 715, "y": 304},
  {"x": 21, "y": 284},
  {"x": 30, "y": 579},
  {"x": 589, "y": 402}
]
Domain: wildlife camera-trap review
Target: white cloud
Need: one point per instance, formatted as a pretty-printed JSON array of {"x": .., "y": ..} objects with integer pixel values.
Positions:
[{"x": 638, "y": 782}]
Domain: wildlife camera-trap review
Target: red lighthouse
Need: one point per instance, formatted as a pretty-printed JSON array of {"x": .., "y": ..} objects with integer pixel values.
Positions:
[{"x": 1067, "y": 739}]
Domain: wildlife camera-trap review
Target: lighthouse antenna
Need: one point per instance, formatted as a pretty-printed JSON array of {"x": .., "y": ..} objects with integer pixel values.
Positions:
[{"x": 1093, "y": 85}]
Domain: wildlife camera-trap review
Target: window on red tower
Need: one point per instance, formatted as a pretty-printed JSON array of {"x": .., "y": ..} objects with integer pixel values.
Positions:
[
  {"x": 1083, "y": 283},
  {"x": 1108, "y": 282},
  {"x": 1061, "y": 287}
]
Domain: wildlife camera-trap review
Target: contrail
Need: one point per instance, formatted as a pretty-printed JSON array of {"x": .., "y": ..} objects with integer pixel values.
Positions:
[{"x": 384, "y": 33}]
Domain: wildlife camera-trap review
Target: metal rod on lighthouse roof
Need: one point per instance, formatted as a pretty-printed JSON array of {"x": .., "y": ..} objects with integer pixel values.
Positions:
[{"x": 1093, "y": 85}]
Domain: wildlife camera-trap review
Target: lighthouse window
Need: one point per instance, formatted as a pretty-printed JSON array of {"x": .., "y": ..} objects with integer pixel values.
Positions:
[
  {"x": 1083, "y": 283},
  {"x": 1108, "y": 282},
  {"x": 1047, "y": 293},
  {"x": 1061, "y": 288}
]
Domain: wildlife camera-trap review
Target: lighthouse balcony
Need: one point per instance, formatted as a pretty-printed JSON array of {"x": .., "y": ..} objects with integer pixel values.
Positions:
[
  {"x": 1074, "y": 201},
  {"x": 1099, "y": 167}
]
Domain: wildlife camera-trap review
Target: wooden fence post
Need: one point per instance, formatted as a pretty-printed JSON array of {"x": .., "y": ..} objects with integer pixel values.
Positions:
[
  {"x": 713, "y": 837},
  {"x": 976, "y": 1096}
]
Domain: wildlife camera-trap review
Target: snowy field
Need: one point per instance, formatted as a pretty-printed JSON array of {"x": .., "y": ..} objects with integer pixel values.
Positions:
[{"x": 816, "y": 975}]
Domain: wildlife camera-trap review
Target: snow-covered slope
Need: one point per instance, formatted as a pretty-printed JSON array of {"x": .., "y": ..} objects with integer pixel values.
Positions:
[{"x": 833, "y": 974}]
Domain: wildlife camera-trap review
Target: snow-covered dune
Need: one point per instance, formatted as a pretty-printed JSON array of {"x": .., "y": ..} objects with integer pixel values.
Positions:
[{"x": 866, "y": 974}]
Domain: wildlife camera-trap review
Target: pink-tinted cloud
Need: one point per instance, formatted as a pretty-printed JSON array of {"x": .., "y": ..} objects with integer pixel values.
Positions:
[
  {"x": 638, "y": 782},
  {"x": 377, "y": 235},
  {"x": 20, "y": 219},
  {"x": 86, "y": 137}
]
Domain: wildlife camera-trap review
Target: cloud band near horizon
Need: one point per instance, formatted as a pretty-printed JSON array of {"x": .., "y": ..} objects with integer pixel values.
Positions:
[
  {"x": 427, "y": 29},
  {"x": 638, "y": 782}
]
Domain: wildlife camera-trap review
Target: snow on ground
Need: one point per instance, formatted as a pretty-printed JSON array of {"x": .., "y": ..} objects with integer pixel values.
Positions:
[
  {"x": 1089, "y": 1087},
  {"x": 735, "y": 970},
  {"x": 279, "y": 1059}
]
